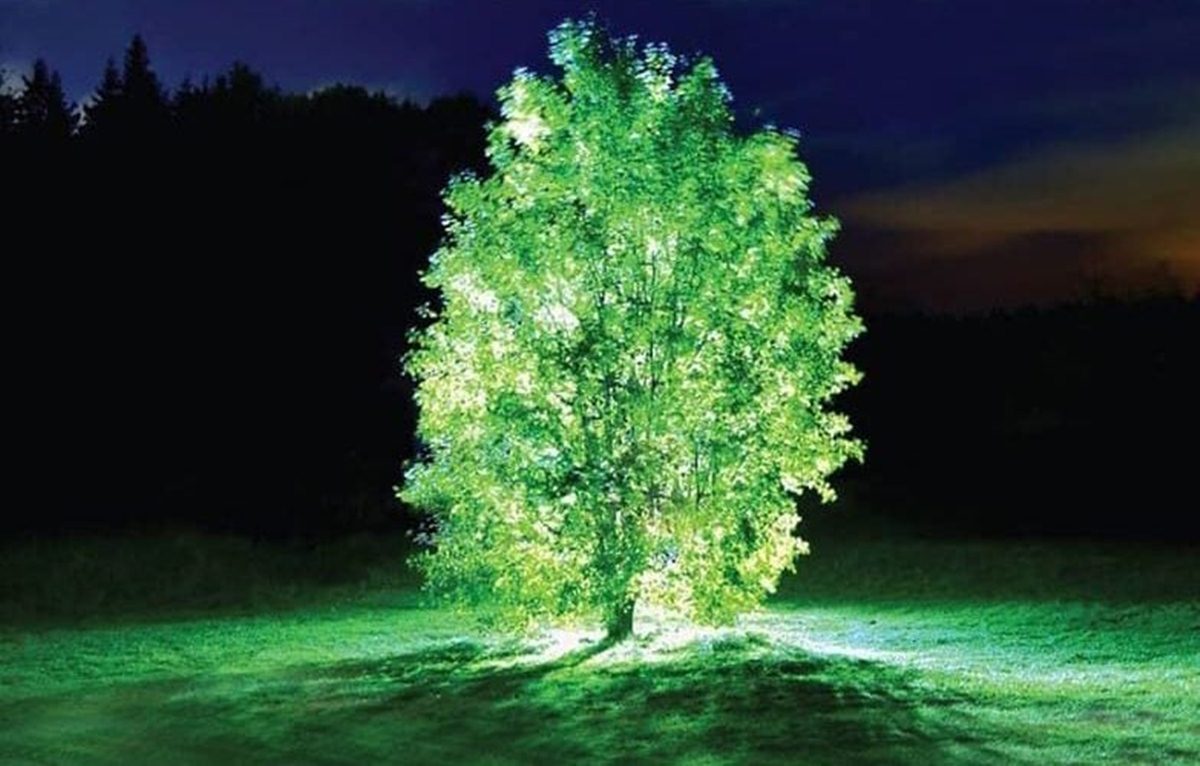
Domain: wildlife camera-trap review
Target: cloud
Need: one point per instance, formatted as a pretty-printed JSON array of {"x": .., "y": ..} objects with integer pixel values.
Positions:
[
  {"x": 1119, "y": 214},
  {"x": 11, "y": 73}
]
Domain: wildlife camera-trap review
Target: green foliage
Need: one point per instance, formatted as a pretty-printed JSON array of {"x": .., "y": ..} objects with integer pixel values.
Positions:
[{"x": 627, "y": 385}]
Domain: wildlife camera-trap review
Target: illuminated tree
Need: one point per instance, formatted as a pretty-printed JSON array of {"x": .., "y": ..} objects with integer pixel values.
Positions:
[{"x": 626, "y": 386}]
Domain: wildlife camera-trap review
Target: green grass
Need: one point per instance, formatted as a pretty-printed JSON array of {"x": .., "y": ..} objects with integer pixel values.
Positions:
[{"x": 885, "y": 652}]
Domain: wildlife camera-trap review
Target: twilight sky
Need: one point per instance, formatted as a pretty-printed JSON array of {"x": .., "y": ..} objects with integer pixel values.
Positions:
[{"x": 979, "y": 153}]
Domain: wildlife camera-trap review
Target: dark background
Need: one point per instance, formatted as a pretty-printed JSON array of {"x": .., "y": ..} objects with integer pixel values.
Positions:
[{"x": 209, "y": 286}]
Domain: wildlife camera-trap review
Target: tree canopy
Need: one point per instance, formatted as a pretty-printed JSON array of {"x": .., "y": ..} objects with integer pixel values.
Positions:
[
  {"x": 42, "y": 110},
  {"x": 627, "y": 385}
]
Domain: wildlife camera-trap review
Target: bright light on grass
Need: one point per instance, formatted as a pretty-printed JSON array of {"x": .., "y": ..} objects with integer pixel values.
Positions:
[
  {"x": 660, "y": 637},
  {"x": 838, "y": 669}
]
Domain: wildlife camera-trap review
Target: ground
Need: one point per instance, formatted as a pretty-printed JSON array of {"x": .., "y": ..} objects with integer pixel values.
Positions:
[{"x": 875, "y": 652}]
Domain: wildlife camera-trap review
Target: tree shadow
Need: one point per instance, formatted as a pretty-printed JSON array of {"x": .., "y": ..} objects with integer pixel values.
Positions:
[
  {"x": 739, "y": 701},
  {"x": 743, "y": 699}
]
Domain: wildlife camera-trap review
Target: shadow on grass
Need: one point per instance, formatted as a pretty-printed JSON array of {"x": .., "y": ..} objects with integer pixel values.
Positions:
[
  {"x": 740, "y": 700},
  {"x": 737, "y": 701}
]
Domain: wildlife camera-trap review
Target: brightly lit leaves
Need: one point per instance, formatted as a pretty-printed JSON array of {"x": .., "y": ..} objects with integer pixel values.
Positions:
[{"x": 627, "y": 383}]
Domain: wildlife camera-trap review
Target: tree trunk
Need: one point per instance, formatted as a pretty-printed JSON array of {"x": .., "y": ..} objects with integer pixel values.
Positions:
[{"x": 620, "y": 623}]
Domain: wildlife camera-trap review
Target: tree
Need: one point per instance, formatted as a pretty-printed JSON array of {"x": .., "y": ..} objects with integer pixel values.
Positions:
[
  {"x": 142, "y": 94},
  {"x": 102, "y": 112},
  {"x": 627, "y": 384},
  {"x": 42, "y": 108},
  {"x": 8, "y": 107},
  {"x": 129, "y": 104}
]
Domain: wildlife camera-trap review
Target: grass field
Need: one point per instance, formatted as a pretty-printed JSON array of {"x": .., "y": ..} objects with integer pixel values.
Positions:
[{"x": 875, "y": 652}]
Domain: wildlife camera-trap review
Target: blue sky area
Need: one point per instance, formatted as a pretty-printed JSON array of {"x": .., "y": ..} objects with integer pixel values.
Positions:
[{"x": 978, "y": 153}]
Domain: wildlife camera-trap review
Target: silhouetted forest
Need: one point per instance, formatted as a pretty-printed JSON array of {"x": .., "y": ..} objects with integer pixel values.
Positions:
[
  {"x": 210, "y": 288},
  {"x": 1075, "y": 420}
]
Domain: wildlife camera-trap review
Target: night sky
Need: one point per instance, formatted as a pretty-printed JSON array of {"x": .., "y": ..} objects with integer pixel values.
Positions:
[{"x": 979, "y": 154}]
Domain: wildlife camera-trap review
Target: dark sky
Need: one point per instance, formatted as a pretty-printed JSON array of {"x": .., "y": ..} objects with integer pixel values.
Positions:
[{"x": 978, "y": 153}]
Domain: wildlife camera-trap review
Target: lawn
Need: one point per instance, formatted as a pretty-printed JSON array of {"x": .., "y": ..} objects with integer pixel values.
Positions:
[{"x": 884, "y": 652}]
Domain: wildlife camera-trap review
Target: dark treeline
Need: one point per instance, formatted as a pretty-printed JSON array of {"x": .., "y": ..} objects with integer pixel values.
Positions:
[
  {"x": 1077, "y": 420},
  {"x": 210, "y": 292},
  {"x": 210, "y": 287}
]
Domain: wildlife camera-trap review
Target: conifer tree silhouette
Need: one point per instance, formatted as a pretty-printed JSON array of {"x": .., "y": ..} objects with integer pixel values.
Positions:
[
  {"x": 101, "y": 114},
  {"x": 8, "y": 107},
  {"x": 130, "y": 104},
  {"x": 143, "y": 94},
  {"x": 43, "y": 112}
]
